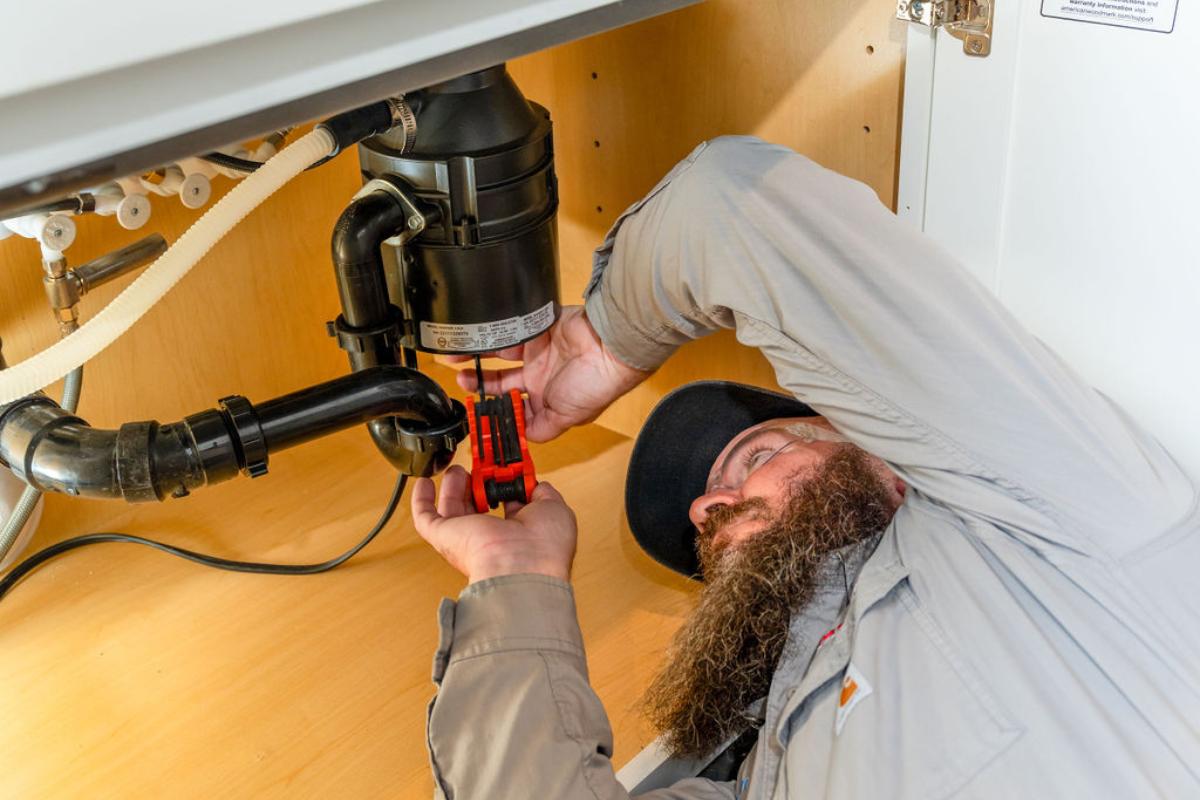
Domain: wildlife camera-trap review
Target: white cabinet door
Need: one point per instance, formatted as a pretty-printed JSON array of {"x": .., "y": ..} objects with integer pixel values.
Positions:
[{"x": 1063, "y": 169}]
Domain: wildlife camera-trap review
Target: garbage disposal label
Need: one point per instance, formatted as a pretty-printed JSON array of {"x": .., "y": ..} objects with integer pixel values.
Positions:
[
  {"x": 486, "y": 335},
  {"x": 1146, "y": 15}
]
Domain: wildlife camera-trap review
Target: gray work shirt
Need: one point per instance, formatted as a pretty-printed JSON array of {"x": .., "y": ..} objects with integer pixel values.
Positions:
[
  {"x": 1029, "y": 623},
  {"x": 811, "y": 627}
]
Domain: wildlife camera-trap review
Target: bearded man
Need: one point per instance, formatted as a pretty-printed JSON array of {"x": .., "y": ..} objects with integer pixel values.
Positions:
[{"x": 944, "y": 566}]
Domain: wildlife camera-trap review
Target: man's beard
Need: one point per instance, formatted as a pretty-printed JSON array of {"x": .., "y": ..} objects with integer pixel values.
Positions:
[{"x": 723, "y": 657}]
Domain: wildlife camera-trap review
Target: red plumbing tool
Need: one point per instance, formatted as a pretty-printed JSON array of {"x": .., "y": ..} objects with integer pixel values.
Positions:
[{"x": 501, "y": 469}]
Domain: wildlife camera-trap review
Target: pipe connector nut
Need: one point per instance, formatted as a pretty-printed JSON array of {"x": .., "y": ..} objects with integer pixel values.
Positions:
[{"x": 252, "y": 444}]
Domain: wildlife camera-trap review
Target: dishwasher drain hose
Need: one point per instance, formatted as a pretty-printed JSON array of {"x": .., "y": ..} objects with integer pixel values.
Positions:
[
  {"x": 160, "y": 277},
  {"x": 326, "y": 140}
]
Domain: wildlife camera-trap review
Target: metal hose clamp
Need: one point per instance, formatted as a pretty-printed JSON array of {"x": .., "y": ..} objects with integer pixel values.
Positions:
[{"x": 404, "y": 122}]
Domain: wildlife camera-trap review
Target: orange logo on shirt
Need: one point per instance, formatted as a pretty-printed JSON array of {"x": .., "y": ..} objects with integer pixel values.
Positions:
[{"x": 849, "y": 687}]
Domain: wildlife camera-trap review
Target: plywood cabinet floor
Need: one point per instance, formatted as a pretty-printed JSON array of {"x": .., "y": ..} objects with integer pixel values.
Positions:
[{"x": 128, "y": 673}]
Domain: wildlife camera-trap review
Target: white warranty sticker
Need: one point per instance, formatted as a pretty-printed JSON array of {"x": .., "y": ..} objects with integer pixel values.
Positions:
[
  {"x": 480, "y": 336},
  {"x": 1146, "y": 15}
]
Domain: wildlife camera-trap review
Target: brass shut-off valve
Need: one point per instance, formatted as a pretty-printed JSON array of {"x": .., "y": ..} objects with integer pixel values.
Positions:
[{"x": 65, "y": 286}]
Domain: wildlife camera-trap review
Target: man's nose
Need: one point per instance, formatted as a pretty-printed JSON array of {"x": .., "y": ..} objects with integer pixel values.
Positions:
[{"x": 699, "y": 510}]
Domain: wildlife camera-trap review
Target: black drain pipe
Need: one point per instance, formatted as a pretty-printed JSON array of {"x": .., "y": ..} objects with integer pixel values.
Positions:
[
  {"x": 413, "y": 422},
  {"x": 56, "y": 451},
  {"x": 370, "y": 329}
]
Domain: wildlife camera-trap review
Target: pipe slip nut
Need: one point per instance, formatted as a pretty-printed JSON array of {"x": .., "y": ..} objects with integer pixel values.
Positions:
[{"x": 250, "y": 442}]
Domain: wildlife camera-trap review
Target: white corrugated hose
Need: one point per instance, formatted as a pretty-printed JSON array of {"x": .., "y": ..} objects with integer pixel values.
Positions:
[{"x": 117, "y": 317}]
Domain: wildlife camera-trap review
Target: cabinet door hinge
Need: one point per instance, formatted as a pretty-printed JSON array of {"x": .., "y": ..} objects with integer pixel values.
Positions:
[{"x": 968, "y": 20}]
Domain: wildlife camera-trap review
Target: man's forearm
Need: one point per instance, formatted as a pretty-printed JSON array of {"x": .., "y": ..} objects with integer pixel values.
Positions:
[
  {"x": 514, "y": 715},
  {"x": 880, "y": 330}
]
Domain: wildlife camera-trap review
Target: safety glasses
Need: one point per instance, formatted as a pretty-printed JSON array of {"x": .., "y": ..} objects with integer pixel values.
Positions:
[{"x": 755, "y": 447}]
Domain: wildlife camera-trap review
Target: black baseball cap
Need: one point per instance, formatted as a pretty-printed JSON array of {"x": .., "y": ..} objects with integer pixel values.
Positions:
[{"x": 674, "y": 452}]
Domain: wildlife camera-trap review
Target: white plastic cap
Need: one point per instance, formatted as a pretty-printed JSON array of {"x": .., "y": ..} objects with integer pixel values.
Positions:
[
  {"x": 133, "y": 211},
  {"x": 195, "y": 190},
  {"x": 57, "y": 233},
  {"x": 52, "y": 231}
]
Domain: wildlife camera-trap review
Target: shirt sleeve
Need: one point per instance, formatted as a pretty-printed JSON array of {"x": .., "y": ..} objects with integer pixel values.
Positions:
[
  {"x": 514, "y": 716},
  {"x": 879, "y": 330}
]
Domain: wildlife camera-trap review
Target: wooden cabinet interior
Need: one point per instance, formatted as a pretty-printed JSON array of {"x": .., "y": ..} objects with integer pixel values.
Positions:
[{"x": 252, "y": 686}]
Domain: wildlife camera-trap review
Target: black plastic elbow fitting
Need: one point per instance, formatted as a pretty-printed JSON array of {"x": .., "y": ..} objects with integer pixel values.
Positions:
[
  {"x": 357, "y": 236},
  {"x": 370, "y": 329}
]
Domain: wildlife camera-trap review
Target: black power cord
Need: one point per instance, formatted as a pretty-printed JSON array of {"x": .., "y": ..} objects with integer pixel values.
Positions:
[
  {"x": 232, "y": 162},
  {"x": 42, "y": 556},
  {"x": 245, "y": 165}
]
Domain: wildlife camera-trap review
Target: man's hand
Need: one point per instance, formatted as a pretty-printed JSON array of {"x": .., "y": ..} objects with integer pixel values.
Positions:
[
  {"x": 568, "y": 372},
  {"x": 536, "y": 538}
]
